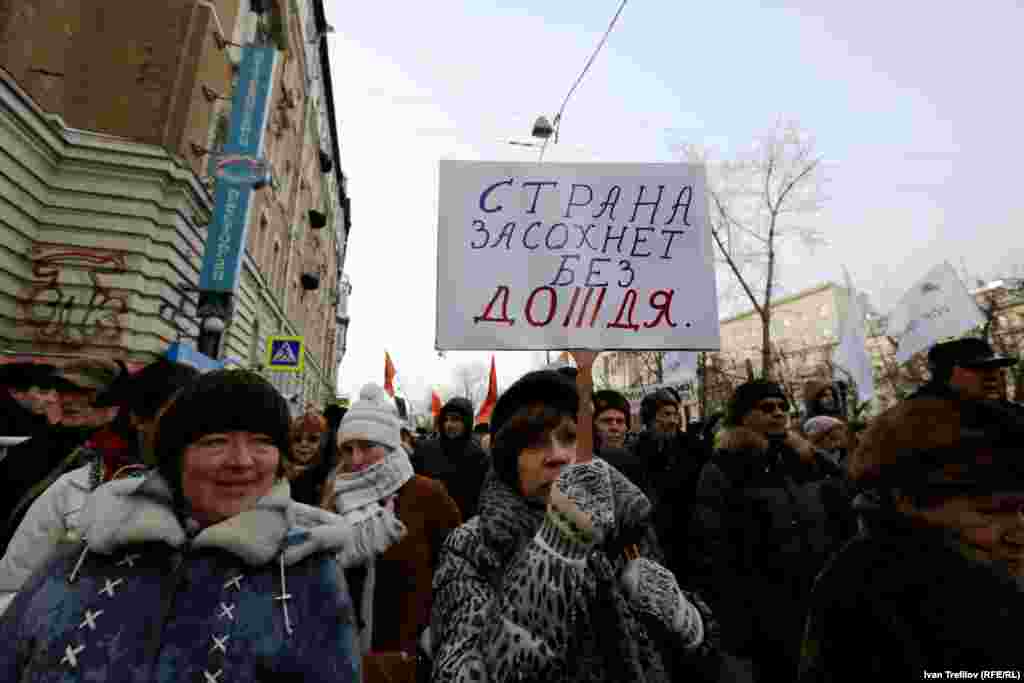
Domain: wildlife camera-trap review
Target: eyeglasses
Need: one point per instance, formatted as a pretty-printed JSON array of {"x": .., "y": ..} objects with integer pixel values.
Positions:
[{"x": 772, "y": 406}]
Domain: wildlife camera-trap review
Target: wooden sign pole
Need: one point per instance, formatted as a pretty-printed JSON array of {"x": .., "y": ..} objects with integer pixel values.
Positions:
[{"x": 585, "y": 415}]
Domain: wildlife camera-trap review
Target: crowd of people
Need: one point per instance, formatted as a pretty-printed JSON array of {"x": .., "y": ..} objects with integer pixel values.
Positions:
[{"x": 204, "y": 533}]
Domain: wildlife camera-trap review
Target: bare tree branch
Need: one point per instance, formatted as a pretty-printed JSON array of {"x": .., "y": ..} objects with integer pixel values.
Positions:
[{"x": 754, "y": 196}]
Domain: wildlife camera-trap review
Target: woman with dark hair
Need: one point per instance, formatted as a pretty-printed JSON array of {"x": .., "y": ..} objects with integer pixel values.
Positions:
[
  {"x": 204, "y": 570},
  {"x": 554, "y": 580}
]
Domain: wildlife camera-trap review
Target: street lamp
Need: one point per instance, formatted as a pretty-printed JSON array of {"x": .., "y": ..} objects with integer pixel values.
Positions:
[{"x": 542, "y": 128}]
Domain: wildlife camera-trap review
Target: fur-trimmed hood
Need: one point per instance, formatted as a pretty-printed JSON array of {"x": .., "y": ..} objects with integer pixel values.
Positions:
[
  {"x": 464, "y": 409},
  {"x": 744, "y": 439},
  {"x": 140, "y": 510}
]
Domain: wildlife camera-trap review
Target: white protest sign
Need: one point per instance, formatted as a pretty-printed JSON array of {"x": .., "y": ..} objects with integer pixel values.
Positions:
[{"x": 557, "y": 256}]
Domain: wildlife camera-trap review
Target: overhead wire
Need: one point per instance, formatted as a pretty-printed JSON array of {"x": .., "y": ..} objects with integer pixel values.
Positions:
[{"x": 579, "y": 79}]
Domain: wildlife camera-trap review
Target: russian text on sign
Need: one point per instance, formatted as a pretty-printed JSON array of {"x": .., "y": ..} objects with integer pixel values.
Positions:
[{"x": 585, "y": 256}]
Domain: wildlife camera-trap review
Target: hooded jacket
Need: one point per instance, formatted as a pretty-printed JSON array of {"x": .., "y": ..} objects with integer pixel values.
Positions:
[
  {"x": 460, "y": 464},
  {"x": 592, "y": 633},
  {"x": 900, "y": 599},
  {"x": 257, "y": 597},
  {"x": 761, "y": 533}
]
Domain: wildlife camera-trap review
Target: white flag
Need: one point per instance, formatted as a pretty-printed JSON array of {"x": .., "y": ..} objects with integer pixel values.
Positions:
[
  {"x": 679, "y": 366},
  {"x": 937, "y": 307},
  {"x": 851, "y": 354}
]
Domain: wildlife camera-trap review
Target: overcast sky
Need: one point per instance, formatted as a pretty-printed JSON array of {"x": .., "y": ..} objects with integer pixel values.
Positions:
[{"x": 916, "y": 108}]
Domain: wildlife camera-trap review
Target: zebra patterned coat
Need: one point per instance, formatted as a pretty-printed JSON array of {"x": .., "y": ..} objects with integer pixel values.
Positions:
[{"x": 512, "y": 604}]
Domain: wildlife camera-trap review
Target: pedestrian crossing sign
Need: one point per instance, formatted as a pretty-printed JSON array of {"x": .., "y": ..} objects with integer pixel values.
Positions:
[{"x": 285, "y": 354}]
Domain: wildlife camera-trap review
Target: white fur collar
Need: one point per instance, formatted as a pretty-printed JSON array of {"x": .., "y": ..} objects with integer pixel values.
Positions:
[{"x": 139, "y": 510}]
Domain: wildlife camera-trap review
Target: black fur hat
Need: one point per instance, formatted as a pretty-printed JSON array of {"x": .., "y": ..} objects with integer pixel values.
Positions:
[
  {"x": 550, "y": 387},
  {"x": 144, "y": 392},
  {"x": 220, "y": 401},
  {"x": 748, "y": 395},
  {"x": 651, "y": 402},
  {"x": 938, "y": 444},
  {"x": 607, "y": 399}
]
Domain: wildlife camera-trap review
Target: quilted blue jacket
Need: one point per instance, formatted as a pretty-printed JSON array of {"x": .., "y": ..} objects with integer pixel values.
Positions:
[{"x": 258, "y": 598}]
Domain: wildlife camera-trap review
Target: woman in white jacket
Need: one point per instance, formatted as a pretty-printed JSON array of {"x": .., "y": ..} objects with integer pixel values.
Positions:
[{"x": 116, "y": 451}]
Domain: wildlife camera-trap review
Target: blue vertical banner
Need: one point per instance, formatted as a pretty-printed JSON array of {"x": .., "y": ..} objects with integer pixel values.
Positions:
[{"x": 250, "y": 105}]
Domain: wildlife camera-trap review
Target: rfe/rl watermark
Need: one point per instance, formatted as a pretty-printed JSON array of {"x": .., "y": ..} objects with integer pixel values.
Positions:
[{"x": 1012, "y": 675}]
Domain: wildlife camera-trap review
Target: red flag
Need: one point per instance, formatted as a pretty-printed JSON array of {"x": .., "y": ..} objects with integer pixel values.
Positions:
[
  {"x": 389, "y": 375},
  {"x": 484, "y": 416},
  {"x": 435, "y": 404}
]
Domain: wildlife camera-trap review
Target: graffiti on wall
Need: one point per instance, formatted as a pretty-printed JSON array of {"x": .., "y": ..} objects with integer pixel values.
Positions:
[{"x": 69, "y": 301}]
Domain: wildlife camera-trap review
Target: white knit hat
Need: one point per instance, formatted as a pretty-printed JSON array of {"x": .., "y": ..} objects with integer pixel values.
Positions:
[{"x": 372, "y": 418}]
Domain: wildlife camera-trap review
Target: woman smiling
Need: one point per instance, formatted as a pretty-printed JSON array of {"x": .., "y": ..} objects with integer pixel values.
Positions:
[{"x": 203, "y": 570}]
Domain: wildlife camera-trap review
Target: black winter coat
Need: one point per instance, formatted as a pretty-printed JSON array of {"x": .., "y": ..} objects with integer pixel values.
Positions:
[
  {"x": 762, "y": 530},
  {"x": 667, "y": 471},
  {"x": 900, "y": 600},
  {"x": 30, "y": 462},
  {"x": 459, "y": 464}
]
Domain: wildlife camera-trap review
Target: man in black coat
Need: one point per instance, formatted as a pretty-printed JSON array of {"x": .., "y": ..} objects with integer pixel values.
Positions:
[
  {"x": 665, "y": 466},
  {"x": 28, "y": 392},
  {"x": 454, "y": 458}
]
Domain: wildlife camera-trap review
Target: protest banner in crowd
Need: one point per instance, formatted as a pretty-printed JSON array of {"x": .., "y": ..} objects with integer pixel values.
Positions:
[
  {"x": 936, "y": 308},
  {"x": 555, "y": 256}
]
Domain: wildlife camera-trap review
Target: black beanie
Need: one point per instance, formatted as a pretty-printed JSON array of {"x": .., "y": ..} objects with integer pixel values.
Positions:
[
  {"x": 549, "y": 387},
  {"x": 611, "y": 400},
  {"x": 220, "y": 401},
  {"x": 154, "y": 384},
  {"x": 651, "y": 402},
  {"x": 748, "y": 395}
]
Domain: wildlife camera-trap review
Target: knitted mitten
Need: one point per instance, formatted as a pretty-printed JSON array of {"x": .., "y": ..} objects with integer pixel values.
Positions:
[
  {"x": 654, "y": 592},
  {"x": 583, "y": 497}
]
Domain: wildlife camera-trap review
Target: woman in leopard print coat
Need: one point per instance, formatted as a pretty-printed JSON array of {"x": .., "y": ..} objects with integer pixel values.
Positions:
[{"x": 556, "y": 579}]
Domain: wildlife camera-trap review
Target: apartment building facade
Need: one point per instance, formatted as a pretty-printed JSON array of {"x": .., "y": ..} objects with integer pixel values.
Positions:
[{"x": 111, "y": 116}]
